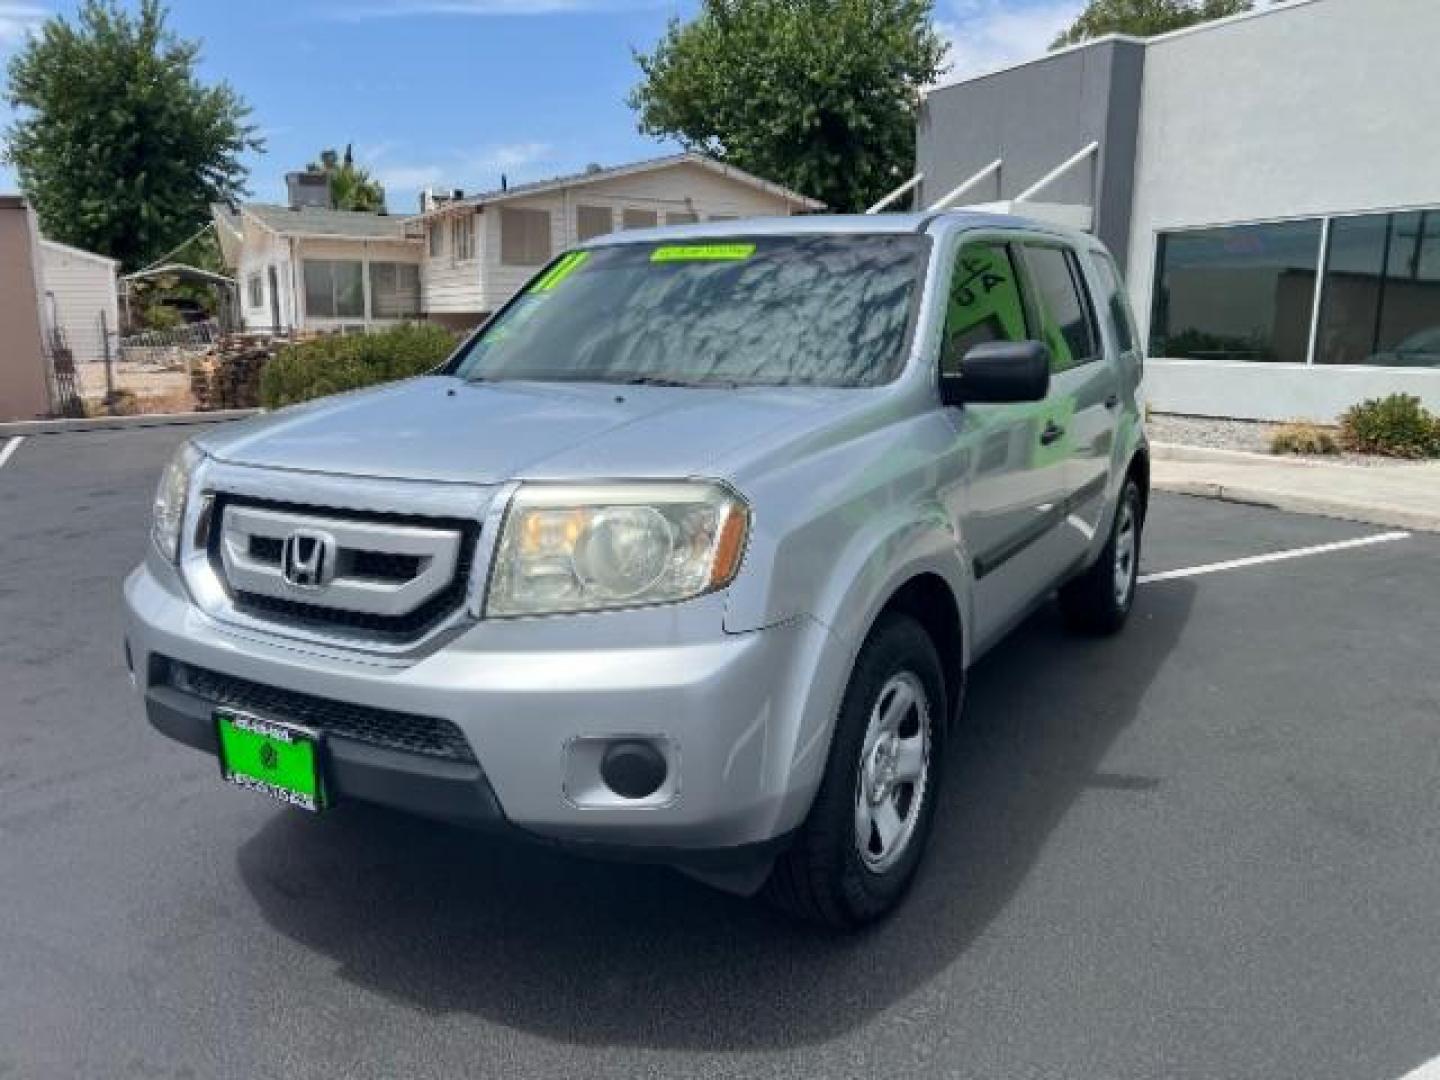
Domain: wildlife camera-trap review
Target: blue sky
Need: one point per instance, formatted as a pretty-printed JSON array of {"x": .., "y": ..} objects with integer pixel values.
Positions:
[{"x": 451, "y": 93}]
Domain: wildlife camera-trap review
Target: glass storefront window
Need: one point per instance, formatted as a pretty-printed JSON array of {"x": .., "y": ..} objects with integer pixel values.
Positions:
[
  {"x": 1244, "y": 292},
  {"x": 1381, "y": 304}
]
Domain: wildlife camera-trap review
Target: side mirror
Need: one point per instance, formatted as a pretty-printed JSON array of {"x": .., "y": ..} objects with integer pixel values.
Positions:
[{"x": 999, "y": 371}]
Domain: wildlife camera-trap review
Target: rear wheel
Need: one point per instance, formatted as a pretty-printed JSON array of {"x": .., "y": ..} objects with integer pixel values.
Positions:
[
  {"x": 858, "y": 850},
  {"x": 1099, "y": 600}
]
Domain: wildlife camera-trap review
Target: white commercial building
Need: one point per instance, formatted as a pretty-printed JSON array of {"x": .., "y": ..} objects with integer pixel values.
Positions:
[{"x": 1271, "y": 182}]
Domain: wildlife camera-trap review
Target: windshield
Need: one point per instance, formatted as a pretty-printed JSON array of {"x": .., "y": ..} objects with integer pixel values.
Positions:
[{"x": 754, "y": 311}]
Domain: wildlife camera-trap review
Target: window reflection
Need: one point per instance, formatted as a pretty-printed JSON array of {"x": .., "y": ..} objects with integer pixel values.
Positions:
[
  {"x": 1381, "y": 304},
  {"x": 1240, "y": 293}
]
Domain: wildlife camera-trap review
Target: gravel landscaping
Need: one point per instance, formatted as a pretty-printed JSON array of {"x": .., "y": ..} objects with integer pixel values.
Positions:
[{"x": 1249, "y": 435}]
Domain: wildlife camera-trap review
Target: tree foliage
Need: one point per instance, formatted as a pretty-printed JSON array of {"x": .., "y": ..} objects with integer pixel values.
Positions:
[
  {"x": 1145, "y": 18},
  {"x": 118, "y": 145},
  {"x": 819, "y": 95},
  {"x": 351, "y": 186}
]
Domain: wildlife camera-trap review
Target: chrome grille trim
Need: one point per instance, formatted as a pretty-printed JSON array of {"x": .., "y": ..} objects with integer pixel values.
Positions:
[
  {"x": 436, "y": 552},
  {"x": 467, "y": 509}
]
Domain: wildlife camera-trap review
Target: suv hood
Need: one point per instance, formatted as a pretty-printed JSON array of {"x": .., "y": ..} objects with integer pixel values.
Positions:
[{"x": 445, "y": 429}]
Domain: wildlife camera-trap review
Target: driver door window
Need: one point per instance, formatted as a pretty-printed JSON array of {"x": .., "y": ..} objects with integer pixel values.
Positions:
[{"x": 984, "y": 304}]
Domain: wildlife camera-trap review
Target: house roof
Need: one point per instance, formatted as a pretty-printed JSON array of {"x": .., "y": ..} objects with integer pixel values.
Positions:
[
  {"x": 81, "y": 253},
  {"x": 595, "y": 175},
  {"x": 180, "y": 270},
  {"x": 317, "y": 223}
]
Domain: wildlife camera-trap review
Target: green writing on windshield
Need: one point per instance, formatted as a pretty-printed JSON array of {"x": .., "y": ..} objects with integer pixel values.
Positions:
[
  {"x": 567, "y": 265},
  {"x": 702, "y": 253}
]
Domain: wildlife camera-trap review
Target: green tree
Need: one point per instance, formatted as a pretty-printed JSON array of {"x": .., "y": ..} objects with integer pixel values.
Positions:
[
  {"x": 1144, "y": 18},
  {"x": 118, "y": 145},
  {"x": 351, "y": 186},
  {"x": 819, "y": 95}
]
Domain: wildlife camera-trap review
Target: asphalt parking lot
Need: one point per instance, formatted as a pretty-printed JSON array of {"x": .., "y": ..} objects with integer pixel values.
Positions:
[{"x": 1208, "y": 848}]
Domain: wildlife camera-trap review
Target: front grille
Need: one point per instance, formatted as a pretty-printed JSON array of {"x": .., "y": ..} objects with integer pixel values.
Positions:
[
  {"x": 385, "y": 565},
  {"x": 391, "y": 568},
  {"x": 427, "y": 735}
]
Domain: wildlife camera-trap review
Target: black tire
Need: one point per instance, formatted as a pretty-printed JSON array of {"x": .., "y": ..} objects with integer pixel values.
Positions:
[
  {"x": 1092, "y": 603},
  {"x": 822, "y": 877}
]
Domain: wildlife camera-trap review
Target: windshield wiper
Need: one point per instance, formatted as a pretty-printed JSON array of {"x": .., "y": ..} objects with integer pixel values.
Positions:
[{"x": 693, "y": 384}]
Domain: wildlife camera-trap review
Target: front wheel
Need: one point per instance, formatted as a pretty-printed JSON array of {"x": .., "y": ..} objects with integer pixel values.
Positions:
[
  {"x": 858, "y": 850},
  {"x": 1099, "y": 600}
]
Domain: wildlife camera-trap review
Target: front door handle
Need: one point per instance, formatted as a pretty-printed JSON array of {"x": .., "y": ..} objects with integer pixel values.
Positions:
[
  {"x": 1113, "y": 401},
  {"x": 1053, "y": 433}
]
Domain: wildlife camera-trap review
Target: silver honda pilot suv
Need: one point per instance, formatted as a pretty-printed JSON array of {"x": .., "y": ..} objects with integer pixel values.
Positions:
[{"x": 682, "y": 557}]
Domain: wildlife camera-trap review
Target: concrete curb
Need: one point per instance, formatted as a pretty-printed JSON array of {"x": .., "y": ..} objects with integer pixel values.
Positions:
[
  {"x": 1298, "y": 503},
  {"x": 1163, "y": 451},
  {"x": 110, "y": 423}
]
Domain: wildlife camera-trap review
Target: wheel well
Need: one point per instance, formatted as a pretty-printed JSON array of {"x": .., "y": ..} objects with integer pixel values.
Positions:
[
  {"x": 1140, "y": 471},
  {"x": 928, "y": 600}
]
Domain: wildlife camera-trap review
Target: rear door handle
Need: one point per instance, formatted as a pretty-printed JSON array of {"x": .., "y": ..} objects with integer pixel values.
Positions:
[
  {"x": 1113, "y": 401},
  {"x": 1053, "y": 433}
]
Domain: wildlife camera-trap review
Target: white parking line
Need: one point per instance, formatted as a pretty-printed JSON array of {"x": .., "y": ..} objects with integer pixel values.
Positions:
[
  {"x": 9, "y": 449},
  {"x": 1274, "y": 556},
  {"x": 1429, "y": 1071}
]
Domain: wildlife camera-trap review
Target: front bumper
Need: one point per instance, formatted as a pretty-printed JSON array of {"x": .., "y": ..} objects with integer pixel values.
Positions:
[{"x": 743, "y": 718}]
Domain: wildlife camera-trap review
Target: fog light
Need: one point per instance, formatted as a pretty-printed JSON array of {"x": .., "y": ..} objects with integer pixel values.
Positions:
[{"x": 633, "y": 769}]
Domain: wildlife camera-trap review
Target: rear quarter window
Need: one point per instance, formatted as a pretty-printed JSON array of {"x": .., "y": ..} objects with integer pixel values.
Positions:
[
  {"x": 1116, "y": 302},
  {"x": 1066, "y": 323}
]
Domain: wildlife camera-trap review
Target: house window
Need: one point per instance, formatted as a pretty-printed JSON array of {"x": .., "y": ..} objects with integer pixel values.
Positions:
[
  {"x": 1381, "y": 299},
  {"x": 681, "y": 217},
  {"x": 462, "y": 238},
  {"x": 1240, "y": 293},
  {"x": 394, "y": 290},
  {"x": 334, "y": 289},
  {"x": 593, "y": 221},
  {"x": 255, "y": 288},
  {"x": 436, "y": 235},
  {"x": 640, "y": 219},
  {"x": 524, "y": 236}
]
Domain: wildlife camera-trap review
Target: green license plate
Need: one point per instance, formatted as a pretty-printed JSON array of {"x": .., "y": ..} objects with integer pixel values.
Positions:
[{"x": 276, "y": 759}]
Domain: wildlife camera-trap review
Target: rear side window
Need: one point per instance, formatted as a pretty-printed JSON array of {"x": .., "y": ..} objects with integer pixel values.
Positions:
[
  {"x": 1065, "y": 321},
  {"x": 984, "y": 302},
  {"x": 1115, "y": 302}
]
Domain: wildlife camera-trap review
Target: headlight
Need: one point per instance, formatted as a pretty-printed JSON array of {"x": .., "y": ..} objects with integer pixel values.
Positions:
[
  {"x": 170, "y": 500},
  {"x": 587, "y": 547}
]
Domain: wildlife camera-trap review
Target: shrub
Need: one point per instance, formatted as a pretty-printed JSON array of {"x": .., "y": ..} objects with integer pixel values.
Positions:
[
  {"x": 1395, "y": 426},
  {"x": 330, "y": 364},
  {"x": 1301, "y": 438}
]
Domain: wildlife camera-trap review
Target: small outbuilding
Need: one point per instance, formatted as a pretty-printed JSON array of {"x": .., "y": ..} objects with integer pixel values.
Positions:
[{"x": 81, "y": 299}]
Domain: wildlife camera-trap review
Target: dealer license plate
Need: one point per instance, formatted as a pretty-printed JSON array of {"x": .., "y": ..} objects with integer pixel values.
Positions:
[{"x": 276, "y": 759}]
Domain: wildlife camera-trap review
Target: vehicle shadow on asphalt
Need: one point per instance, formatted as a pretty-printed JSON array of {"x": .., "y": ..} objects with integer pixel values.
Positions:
[{"x": 591, "y": 953}]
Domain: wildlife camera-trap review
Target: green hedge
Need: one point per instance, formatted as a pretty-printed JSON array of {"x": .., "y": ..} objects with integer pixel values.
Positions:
[
  {"x": 1396, "y": 426},
  {"x": 337, "y": 362}
]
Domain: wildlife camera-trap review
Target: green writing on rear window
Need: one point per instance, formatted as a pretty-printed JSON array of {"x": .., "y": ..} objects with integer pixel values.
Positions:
[
  {"x": 702, "y": 253},
  {"x": 567, "y": 265}
]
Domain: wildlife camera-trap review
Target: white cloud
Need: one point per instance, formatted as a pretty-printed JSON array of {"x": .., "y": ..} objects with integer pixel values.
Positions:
[
  {"x": 410, "y": 177},
  {"x": 986, "y": 35},
  {"x": 512, "y": 155},
  {"x": 478, "y": 169},
  {"x": 482, "y": 8},
  {"x": 18, "y": 20}
]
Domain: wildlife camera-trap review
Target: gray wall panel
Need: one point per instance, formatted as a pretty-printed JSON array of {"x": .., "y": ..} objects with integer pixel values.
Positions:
[{"x": 1035, "y": 116}]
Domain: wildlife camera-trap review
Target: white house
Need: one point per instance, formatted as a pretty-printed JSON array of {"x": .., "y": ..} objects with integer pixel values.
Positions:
[
  {"x": 80, "y": 298},
  {"x": 316, "y": 269},
  {"x": 480, "y": 250}
]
